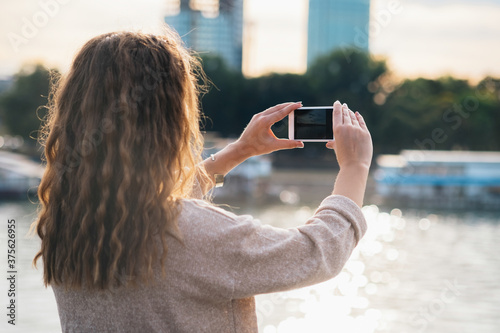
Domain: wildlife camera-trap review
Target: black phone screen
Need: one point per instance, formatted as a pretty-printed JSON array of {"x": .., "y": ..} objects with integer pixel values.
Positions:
[{"x": 313, "y": 124}]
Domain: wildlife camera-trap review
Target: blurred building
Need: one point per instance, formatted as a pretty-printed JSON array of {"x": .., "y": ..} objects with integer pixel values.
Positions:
[
  {"x": 213, "y": 27},
  {"x": 335, "y": 24},
  {"x": 440, "y": 179}
]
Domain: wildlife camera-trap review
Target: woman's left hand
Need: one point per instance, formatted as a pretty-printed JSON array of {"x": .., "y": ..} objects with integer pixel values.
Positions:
[
  {"x": 256, "y": 139},
  {"x": 259, "y": 139}
]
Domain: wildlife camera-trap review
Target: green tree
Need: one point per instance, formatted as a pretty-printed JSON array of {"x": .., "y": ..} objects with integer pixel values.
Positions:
[
  {"x": 411, "y": 114},
  {"x": 348, "y": 78},
  {"x": 222, "y": 103},
  {"x": 478, "y": 125},
  {"x": 441, "y": 114},
  {"x": 355, "y": 79},
  {"x": 269, "y": 90},
  {"x": 20, "y": 106},
  {"x": 445, "y": 113}
]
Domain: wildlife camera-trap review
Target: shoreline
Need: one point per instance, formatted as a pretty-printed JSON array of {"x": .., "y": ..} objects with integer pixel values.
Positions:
[{"x": 286, "y": 186}]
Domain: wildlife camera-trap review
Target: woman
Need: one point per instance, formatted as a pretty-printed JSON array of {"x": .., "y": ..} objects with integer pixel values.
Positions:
[{"x": 126, "y": 246}]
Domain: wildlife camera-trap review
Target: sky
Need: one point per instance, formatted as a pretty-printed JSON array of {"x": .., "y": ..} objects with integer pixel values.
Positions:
[{"x": 422, "y": 38}]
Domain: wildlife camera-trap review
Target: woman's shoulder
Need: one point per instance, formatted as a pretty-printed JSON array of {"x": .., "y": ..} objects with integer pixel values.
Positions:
[
  {"x": 196, "y": 208},
  {"x": 204, "y": 224},
  {"x": 203, "y": 207}
]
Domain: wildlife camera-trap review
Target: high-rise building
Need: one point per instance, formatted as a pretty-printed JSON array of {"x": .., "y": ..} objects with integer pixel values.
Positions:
[
  {"x": 213, "y": 27},
  {"x": 335, "y": 24}
]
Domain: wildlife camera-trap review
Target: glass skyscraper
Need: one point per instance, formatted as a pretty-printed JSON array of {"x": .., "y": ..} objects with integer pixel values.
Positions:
[
  {"x": 335, "y": 24},
  {"x": 213, "y": 27}
]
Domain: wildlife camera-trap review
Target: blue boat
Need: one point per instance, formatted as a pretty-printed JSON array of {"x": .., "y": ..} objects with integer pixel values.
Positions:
[{"x": 442, "y": 179}]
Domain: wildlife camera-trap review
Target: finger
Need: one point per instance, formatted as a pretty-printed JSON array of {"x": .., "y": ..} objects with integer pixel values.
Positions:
[
  {"x": 337, "y": 114},
  {"x": 346, "y": 118},
  {"x": 361, "y": 120},
  {"x": 288, "y": 144},
  {"x": 331, "y": 145},
  {"x": 279, "y": 114},
  {"x": 354, "y": 120},
  {"x": 276, "y": 108}
]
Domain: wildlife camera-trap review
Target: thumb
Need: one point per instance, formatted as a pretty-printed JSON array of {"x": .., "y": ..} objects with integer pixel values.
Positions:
[
  {"x": 331, "y": 144},
  {"x": 290, "y": 144}
]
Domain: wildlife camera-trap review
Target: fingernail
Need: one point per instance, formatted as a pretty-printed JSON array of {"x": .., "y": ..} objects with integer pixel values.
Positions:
[
  {"x": 337, "y": 102},
  {"x": 345, "y": 105}
]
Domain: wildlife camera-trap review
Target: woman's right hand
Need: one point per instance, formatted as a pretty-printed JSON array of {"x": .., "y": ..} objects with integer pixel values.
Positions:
[
  {"x": 352, "y": 141},
  {"x": 353, "y": 147}
]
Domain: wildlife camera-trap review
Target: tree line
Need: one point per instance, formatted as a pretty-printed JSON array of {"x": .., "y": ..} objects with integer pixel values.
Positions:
[
  {"x": 446, "y": 113},
  {"x": 442, "y": 114}
]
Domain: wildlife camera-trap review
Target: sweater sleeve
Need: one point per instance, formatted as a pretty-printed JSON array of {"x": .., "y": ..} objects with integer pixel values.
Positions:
[{"x": 241, "y": 258}]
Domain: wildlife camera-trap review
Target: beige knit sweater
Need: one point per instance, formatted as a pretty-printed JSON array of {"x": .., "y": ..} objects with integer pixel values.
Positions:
[{"x": 212, "y": 278}]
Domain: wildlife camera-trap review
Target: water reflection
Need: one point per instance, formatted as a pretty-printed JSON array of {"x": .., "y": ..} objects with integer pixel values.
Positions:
[
  {"x": 412, "y": 272},
  {"x": 36, "y": 305}
]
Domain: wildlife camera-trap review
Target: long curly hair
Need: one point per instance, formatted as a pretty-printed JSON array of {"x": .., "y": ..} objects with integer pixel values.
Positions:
[{"x": 123, "y": 147}]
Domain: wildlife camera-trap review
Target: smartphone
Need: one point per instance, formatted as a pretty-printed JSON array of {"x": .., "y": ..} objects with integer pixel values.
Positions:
[{"x": 311, "y": 124}]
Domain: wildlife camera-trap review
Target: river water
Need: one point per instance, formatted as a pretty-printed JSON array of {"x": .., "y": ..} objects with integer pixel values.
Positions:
[{"x": 414, "y": 271}]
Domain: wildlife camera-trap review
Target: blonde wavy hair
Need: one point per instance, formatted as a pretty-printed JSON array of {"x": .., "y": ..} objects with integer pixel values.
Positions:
[{"x": 122, "y": 146}]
